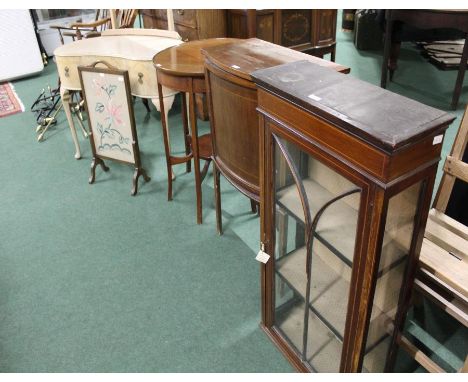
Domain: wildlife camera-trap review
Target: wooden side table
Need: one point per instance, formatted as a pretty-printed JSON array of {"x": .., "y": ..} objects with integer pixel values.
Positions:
[
  {"x": 425, "y": 19},
  {"x": 182, "y": 69}
]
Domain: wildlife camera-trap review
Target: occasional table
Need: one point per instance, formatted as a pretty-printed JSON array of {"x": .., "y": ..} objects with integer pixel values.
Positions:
[
  {"x": 126, "y": 49},
  {"x": 181, "y": 68}
]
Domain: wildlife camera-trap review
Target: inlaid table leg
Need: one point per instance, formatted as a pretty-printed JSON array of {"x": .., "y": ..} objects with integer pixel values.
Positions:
[
  {"x": 166, "y": 107},
  {"x": 185, "y": 112},
  {"x": 65, "y": 95},
  {"x": 196, "y": 154},
  {"x": 163, "y": 105},
  {"x": 217, "y": 192}
]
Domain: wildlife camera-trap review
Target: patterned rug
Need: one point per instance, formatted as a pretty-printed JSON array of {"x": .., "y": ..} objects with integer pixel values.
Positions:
[{"x": 9, "y": 100}]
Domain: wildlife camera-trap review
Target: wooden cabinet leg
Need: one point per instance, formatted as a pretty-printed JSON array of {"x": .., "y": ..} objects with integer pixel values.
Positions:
[
  {"x": 196, "y": 155},
  {"x": 65, "y": 95},
  {"x": 217, "y": 192},
  {"x": 161, "y": 107},
  {"x": 186, "y": 129},
  {"x": 164, "y": 107}
]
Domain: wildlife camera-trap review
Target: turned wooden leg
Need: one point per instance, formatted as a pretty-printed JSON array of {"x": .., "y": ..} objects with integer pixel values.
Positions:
[
  {"x": 65, "y": 95},
  {"x": 186, "y": 130},
  {"x": 196, "y": 157},
  {"x": 217, "y": 192},
  {"x": 164, "y": 105},
  {"x": 161, "y": 106}
]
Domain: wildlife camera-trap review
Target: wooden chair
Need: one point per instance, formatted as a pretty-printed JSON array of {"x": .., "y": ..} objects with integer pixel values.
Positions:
[
  {"x": 80, "y": 30},
  {"x": 105, "y": 19},
  {"x": 123, "y": 18},
  {"x": 442, "y": 276}
]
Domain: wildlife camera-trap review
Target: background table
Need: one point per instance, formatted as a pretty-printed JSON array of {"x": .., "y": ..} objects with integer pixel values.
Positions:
[
  {"x": 181, "y": 68},
  {"x": 425, "y": 19},
  {"x": 126, "y": 49}
]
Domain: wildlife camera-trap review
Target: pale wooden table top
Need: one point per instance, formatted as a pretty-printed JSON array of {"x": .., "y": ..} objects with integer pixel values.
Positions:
[{"x": 126, "y": 44}]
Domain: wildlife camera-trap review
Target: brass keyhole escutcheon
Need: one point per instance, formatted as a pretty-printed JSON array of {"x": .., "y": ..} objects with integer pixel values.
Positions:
[
  {"x": 140, "y": 77},
  {"x": 67, "y": 71}
]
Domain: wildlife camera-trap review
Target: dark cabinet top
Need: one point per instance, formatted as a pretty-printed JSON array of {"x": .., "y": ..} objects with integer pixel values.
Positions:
[{"x": 384, "y": 119}]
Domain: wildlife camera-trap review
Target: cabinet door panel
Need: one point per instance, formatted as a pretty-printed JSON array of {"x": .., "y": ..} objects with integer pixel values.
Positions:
[
  {"x": 325, "y": 26},
  {"x": 399, "y": 226},
  {"x": 266, "y": 27},
  {"x": 316, "y": 217},
  {"x": 296, "y": 27},
  {"x": 186, "y": 17}
]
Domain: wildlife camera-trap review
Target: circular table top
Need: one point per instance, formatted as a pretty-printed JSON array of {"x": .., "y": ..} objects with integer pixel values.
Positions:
[{"x": 186, "y": 59}]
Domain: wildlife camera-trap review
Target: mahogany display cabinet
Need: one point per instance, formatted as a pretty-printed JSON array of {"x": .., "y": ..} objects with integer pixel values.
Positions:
[{"x": 347, "y": 171}]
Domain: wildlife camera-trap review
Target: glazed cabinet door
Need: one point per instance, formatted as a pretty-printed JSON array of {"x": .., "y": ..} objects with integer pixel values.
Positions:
[
  {"x": 316, "y": 225},
  {"x": 402, "y": 211},
  {"x": 315, "y": 216}
]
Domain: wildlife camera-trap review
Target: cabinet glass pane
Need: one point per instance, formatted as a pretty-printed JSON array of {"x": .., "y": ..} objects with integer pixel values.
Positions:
[
  {"x": 316, "y": 217},
  {"x": 396, "y": 245}
]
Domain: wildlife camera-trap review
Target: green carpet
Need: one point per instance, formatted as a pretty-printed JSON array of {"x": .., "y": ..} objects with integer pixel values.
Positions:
[{"x": 94, "y": 280}]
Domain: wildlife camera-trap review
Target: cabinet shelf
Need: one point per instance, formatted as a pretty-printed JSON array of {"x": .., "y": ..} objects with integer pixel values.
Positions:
[
  {"x": 337, "y": 227},
  {"x": 324, "y": 348},
  {"x": 328, "y": 285}
]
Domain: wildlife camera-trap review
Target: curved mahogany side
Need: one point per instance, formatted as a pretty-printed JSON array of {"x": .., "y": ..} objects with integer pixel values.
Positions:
[{"x": 234, "y": 128}]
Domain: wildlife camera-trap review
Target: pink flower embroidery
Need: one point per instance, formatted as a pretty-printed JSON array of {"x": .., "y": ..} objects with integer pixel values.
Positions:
[
  {"x": 98, "y": 86},
  {"x": 114, "y": 113}
]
